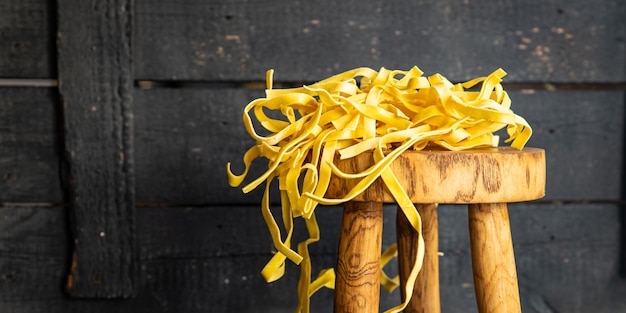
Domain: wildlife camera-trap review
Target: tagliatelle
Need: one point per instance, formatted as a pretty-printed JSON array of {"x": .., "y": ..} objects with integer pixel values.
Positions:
[{"x": 362, "y": 111}]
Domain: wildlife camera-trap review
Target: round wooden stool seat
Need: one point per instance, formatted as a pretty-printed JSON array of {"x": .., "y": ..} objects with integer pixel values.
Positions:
[
  {"x": 436, "y": 176},
  {"x": 486, "y": 179}
]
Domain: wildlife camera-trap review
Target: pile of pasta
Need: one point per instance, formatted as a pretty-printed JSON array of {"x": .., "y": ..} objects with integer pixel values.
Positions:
[{"x": 302, "y": 131}]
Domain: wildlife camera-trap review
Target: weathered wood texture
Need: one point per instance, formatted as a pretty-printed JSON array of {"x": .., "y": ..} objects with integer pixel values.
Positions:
[
  {"x": 27, "y": 37},
  {"x": 95, "y": 83},
  {"x": 178, "y": 131},
  {"x": 496, "y": 175},
  {"x": 568, "y": 41},
  {"x": 183, "y": 131},
  {"x": 200, "y": 247},
  {"x": 565, "y": 262},
  {"x": 29, "y": 146}
]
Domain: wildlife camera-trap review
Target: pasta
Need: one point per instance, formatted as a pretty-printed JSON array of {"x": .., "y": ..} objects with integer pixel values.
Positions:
[{"x": 300, "y": 131}]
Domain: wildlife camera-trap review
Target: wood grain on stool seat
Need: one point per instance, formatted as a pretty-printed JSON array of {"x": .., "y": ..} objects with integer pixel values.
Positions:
[{"x": 491, "y": 175}]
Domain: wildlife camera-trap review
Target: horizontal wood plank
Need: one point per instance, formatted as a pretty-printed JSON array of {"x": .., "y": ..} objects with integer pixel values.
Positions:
[
  {"x": 33, "y": 255},
  {"x": 208, "y": 232},
  {"x": 178, "y": 132},
  {"x": 27, "y": 34},
  {"x": 185, "y": 137},
  {"x": 567, "y": 261},
  {"x": 583, "y": 135},
  {"x": 29, "y": 146},
  {"x": 558, "y": 40}
]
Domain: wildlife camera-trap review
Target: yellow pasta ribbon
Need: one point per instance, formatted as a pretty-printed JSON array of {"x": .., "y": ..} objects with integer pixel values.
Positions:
[{"x": 361, "y": 111}]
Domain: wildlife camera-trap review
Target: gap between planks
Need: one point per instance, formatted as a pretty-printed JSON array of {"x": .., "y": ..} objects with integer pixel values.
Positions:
[
  {"x": 28, "y": 82},
  {"x": 218, "y": 84},
  {"x": 150, "y": 84},
  {"x": 31, "y": 204}
]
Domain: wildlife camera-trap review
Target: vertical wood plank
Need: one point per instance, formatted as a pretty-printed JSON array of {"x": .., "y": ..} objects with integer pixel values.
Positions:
[{"x": 95, "y": 84}]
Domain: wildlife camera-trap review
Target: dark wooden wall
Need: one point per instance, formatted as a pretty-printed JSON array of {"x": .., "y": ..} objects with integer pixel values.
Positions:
[{"x": 117, "y": 118}]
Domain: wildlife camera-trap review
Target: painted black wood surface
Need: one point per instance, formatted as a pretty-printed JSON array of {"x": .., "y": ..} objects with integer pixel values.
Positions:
[
  {"x": 196, "y": 259},
  {"x": 30, "y": 146},
  {"x": 576, "y": 125},
  {"x": 169, "y": 79},
  {"x": 95, "y": 85},
  {"x": 27, "y": 35},
  {"x": 537, "y": 40}
]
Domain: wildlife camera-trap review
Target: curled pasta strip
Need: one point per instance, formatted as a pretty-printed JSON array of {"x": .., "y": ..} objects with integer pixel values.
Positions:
[{"x": 381, "y": 112}]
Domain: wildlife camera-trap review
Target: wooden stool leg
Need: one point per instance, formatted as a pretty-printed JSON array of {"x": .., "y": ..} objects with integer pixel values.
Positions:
[
  {"x": 357, "y": 284},
  {"x": 493, "y": 260},
  {"x": 426, "y": 293}
]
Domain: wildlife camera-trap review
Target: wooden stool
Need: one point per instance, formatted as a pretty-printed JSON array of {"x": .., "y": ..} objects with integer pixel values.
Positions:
[{"x": 486, "y": 179}]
